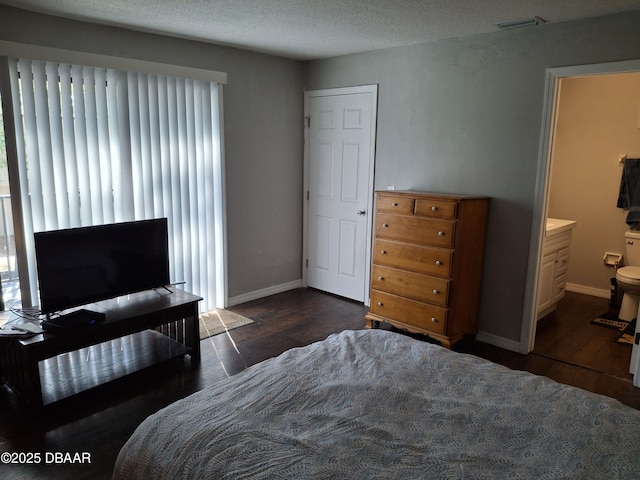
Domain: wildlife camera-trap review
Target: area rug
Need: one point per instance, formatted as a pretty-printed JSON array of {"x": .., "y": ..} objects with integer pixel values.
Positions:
[
  {"x": 611, "y": 320},
  {"x": 220, "y": 320},
  {"x": 628, "y": 334}
]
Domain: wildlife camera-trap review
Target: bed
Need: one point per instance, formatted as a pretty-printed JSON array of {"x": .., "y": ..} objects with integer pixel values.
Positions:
[{"x": 377, "y": 404}]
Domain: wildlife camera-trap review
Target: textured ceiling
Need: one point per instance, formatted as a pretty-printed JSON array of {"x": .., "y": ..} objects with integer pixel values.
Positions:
[{"x": 311, "y": 29}]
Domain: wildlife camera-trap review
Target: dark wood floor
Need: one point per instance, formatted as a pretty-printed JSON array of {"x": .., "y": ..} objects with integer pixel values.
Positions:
[
  {"x": 569, "y": 336},
  {"x": 100, "y": 421},
  {"x": 571, "y": 350}
]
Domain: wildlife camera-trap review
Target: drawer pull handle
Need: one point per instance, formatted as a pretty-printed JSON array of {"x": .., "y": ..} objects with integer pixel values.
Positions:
[
  {"x": 436, "y": 292},
  {"x": 434, "y": 209},
  {"x": 381, "y": 279},
  {"x": 441, "y": 234},
  {"x": 434, "y": 320},
  {"x": 385, "y": 225},
  {"x": 383, "y": 252},
  {"x": 394, "y": 204},
  {"x": 380, "y": 304},
  {"x": 438, "y": 262}
]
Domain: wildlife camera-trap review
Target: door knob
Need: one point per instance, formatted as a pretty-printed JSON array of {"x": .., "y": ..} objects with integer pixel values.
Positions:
[{"x": 361, "y": 212}]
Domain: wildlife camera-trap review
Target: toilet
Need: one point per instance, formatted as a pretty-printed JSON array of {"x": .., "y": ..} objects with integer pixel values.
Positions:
[{"x": 629, "y": 277}]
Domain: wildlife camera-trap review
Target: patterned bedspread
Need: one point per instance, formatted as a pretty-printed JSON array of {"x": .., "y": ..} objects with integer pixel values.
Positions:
[{"x": 375, "y": 404}]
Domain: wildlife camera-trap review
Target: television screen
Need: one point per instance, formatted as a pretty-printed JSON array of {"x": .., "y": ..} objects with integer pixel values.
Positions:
[{"x": 77, "y": 266}]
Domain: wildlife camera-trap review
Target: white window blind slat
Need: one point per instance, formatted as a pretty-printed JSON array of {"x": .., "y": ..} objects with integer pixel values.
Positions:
[
  {"x": 29, "y": 288},
  {"x": 164, "y": 130},
  {"x": 183, "y": 179},
  {"x": 174, "y": 159},
  {"x": 155, "y": 146},
  {"x": 125, "y": 197},
  {"x": 201, "y": 112},
  {"x": 136, "y": 146},
  {"x": 192, "y": 176},
  {"x": 69, "y": 135},
  {"x": 93, "y": 144},
  {"x": 115, "y": 157},
  {"x": 212, "y": 147},
  {"x": 105, "y": 159},
  {"x": 145, "y": 177},
  {"x": 53, "y": 165},
  {"x": 81, "y": 147},
  {"x": 32, "y": 84}
]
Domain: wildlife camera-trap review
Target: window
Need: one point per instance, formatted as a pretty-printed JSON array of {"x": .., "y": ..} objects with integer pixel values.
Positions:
[
  {"x": 99, "y": 145},
  {"x": 8, "y": 272}
]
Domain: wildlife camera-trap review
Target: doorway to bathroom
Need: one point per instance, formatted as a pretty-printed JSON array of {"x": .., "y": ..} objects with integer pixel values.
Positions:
[
  {"x": 592, "y": 121},
  {"x": 567, "y": 337}
]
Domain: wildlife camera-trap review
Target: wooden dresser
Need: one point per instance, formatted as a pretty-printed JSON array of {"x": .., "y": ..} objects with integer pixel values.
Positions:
[{"x": 427, "y": 263}]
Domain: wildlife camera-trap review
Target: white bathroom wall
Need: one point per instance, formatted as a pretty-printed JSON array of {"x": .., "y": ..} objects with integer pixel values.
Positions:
[{"x": 598, "y": 119}]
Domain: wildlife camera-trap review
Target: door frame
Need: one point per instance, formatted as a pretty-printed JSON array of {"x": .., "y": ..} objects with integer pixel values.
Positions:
[
  {"x": 373, "y": 89},
  {"x": 541, "y": 195}
]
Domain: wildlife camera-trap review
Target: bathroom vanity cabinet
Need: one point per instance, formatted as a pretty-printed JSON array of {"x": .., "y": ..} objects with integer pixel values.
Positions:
[
  {"x": 552, "y": 276},
  {"x": 427, "y": 263}
]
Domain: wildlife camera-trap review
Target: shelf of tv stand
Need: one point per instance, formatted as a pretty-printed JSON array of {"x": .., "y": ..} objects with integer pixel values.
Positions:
[
  {"x": 139, "y": 330},
  {"x": 74, "y": 372}
]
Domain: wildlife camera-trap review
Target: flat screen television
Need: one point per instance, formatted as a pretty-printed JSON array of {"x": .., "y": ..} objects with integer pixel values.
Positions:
[{"x": 78, "y": 266}]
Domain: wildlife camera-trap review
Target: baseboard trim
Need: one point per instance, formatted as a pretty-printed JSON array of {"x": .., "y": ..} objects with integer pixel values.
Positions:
[
  {"x": 497, "y": 341},
  {"x": 265, "y": 292},
  {"x": 594, "y": 292}
]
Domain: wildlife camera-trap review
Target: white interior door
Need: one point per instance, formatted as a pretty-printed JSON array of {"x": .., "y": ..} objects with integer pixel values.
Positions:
[{"x": 340, "y": 137}]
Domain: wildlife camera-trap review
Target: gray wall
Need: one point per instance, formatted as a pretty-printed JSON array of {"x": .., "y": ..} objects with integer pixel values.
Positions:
[
  {"x": 465, "y": 115},
  {"x": 263, "y": 108}
]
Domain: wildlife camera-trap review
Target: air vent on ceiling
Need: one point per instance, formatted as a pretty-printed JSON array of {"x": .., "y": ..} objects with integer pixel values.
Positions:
[{"x": 521, "y": 22}]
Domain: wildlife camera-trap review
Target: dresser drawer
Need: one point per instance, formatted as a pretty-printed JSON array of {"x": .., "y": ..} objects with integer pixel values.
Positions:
[
  {"x": 396, "y": 204},
  {"x": 426, "y": 231},
  {"x": 427, "y": 260},
  {"x": 436, "y": 208},
  {"x": 411, "y": 285},
  {"x": 410, "y": 312}
]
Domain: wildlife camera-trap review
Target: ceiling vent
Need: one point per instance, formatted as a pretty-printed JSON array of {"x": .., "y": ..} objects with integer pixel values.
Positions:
[{"x": 522, "y": 22}]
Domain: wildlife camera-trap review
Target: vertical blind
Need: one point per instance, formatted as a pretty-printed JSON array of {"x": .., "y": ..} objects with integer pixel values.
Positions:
[{"x": 103, "y": 146}]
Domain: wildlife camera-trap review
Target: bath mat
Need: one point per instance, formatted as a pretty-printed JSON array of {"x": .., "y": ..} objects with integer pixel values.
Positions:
[
  {"x": 627, "y": 335},
  {"x": 610, "y": 320},
  {"x": 220, "y": 320}
]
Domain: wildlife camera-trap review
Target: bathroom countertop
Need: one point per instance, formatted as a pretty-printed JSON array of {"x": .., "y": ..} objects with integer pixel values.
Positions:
[{"x": 557, "y": 225}]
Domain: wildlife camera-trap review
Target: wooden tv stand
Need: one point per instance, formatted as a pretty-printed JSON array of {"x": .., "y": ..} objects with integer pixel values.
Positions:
[{"x": 139, "y": 330}]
